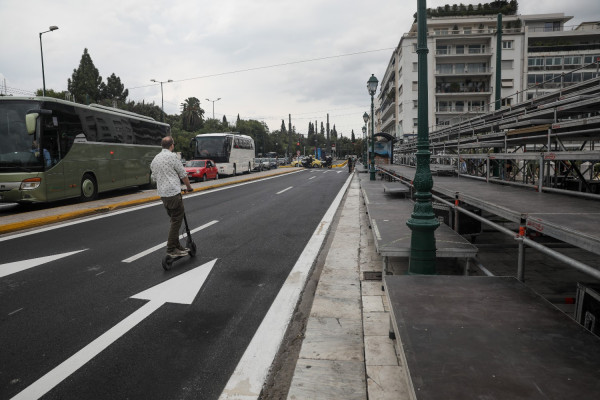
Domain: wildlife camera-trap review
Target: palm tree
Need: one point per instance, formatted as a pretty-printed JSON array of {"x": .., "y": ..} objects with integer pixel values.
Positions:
[{"x": 191, "y": 114}]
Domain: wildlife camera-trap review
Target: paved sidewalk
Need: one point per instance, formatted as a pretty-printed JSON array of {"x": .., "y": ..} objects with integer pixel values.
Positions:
[{"x": 347, "y": 353}]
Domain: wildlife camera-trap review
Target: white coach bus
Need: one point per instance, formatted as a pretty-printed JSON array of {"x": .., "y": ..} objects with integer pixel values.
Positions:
[{"x": 233, "y": 153}]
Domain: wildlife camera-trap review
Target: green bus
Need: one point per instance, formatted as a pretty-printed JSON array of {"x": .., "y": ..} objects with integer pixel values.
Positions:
[{"x": 51, "y": 149}]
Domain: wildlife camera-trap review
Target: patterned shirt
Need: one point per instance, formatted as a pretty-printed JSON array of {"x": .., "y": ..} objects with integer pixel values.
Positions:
[{"x": 167, "y": 170}]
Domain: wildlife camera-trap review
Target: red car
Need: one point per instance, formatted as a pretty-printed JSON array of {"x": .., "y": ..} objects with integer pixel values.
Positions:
[{"x": 201, "y": 170}]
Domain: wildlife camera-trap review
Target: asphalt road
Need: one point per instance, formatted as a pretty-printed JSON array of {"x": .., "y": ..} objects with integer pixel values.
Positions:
[{"x": 253, "y": 234}]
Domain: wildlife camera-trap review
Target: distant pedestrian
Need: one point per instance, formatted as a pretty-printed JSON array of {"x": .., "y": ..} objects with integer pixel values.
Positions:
[
  {"x": 168, "y": 171},
  {"x": 350, "y": 165}
]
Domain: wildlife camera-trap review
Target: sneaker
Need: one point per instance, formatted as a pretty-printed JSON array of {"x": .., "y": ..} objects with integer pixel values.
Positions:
[
  {"x": 177, "y": 253},
  {"x": 183, "y": 249}
]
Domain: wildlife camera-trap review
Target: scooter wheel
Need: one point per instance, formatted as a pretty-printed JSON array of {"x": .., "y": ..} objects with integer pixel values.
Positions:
[
  {"x": 167, "y": 263},
  {"x": 192, "y": 248}
]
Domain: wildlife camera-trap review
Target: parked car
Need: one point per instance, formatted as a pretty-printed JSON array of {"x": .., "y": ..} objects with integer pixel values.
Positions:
[
  {"x": 258, "y": 165},
  {"x": 272, "y": 163},
  {"x": 201, "y": 170}
]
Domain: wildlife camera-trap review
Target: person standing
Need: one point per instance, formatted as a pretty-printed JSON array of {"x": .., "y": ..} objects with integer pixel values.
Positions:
[{"x": 167, "y": 170}]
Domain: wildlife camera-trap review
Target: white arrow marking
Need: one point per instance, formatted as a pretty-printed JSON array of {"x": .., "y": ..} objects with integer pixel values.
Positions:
[
  {"x": 164, "y": 244},
  {"x": 18, "y": 266},
  {"x": 182, "y": 289},
  {"x": 284, "y": 190}
]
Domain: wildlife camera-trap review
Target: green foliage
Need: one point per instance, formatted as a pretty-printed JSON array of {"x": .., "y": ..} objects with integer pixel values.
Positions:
[
  {"x": 191, "y": 114},
  {"x": 113, "y": 89},
  {"x": 53, "y": 93},
  {"x": 85, "y": 81},
  {"x": 494, "y": 7}
]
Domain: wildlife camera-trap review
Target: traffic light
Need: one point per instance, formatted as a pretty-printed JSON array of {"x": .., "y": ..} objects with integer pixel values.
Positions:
[{"x": 297, "y": 143}]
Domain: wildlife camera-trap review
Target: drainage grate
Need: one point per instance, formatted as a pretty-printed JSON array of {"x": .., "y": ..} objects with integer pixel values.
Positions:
[{"x": 372, "y": 275}]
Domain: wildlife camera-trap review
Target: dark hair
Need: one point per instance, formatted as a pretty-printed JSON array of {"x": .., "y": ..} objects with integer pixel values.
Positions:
[{"x": 166, "y": 142}]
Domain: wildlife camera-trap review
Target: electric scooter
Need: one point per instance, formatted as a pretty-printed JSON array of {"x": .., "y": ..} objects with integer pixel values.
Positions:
[{"x": 167, "y": 261}]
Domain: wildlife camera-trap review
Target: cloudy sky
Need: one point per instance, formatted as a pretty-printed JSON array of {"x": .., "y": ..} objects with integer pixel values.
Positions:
[{"x": 265, "y": 59}]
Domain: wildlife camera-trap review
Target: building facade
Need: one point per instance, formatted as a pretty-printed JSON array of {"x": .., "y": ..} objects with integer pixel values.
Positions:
[{"x": 536, "y": 52}]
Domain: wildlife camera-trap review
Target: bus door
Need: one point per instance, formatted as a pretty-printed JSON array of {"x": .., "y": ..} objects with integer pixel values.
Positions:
[{"x": 50, "y": 147}]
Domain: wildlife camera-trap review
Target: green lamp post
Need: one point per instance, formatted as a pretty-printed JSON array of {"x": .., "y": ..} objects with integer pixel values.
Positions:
[
  {"x": 364, "y": 147},
  {"x": 422, "y": 222},
  {"x": 366, "y": 153},
  {"x": 372, "y": 87}
]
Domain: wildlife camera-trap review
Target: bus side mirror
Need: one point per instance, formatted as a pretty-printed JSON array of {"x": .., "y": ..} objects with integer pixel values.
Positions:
[
  {"x": 30, "y": 122},
  {"x": 193, "y": 143}
]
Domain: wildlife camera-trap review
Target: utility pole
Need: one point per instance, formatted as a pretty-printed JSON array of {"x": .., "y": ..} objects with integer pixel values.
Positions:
[
  {"x": 328, "y": 142},
  {"x": 316, "y": 138},
  {"x": 289, "y": 134}
]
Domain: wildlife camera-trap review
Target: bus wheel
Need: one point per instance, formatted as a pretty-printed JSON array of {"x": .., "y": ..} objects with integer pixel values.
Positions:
[{"x": 89, "y": 188}]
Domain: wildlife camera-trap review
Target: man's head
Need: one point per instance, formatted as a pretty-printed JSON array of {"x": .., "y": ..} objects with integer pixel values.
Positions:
[{"x": 167, "y": 142}]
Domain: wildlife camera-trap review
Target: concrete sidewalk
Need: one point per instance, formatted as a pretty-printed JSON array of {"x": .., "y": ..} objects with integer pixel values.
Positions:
[{"x": 347, "y": 352}]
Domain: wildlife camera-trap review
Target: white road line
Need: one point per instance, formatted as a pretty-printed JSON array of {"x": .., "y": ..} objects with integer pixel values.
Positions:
[
  {"x": 164, "y": 244},
  {"x": 312, "y": 177},
  {"x": 284, "y": 190},
  {"x": 18, "y": 266},
  {"x": 247, "y": 380}
]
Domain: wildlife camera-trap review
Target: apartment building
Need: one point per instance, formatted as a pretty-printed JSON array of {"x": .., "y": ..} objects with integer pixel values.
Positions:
[{"x": 536, "y": 53}]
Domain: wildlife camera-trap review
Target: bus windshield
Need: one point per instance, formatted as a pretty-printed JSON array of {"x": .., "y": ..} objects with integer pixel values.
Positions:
[
  {"x": 19, "y": 151},
  {"x": 216, "y": 148}
]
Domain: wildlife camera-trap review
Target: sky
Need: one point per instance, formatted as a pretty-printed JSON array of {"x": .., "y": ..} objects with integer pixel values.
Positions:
[{"x": 264, "y": 59}]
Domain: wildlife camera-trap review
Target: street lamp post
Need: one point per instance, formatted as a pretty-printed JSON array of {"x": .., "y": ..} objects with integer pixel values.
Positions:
[
  {"x": 162, "y": 101},
  {"x": 422, "y": 222},
  {"x": 364, "y": 129},
  {"x": 372, "y": 87},
  {"x": 213, "y": 101},
  {"x": 52, "y": 28}
]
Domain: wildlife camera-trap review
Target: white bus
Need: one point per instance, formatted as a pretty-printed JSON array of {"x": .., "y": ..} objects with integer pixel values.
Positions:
[{"x": 233, "y": 153}]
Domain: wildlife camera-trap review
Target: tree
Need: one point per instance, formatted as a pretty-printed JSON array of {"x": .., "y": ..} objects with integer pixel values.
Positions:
[
  {"x": 85, "y": 81},
  {"x": 191, "y": 114},
  {"x": 283, "y": 130},
  {"x": 113, "y": 89},
  {"x": 225, "y": 123}
]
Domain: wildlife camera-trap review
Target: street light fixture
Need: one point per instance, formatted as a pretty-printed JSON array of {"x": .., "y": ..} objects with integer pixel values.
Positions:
[
  {"x": 213, "y": 101},
  {"x": 162, "y": 101},
  {"x": 52, "y": 28},
  {"x": 372, "y": 88}
]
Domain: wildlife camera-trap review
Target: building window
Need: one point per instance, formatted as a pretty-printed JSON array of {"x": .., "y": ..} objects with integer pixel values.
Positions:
[
  {"x": 415, "y": 103},
  {"x": 414, "y": 47},
  {"x": 415, "y": 67},
  {"x": 507, "y": 83},
  {"x": 441, "y": 49},
  {"x": 415, "y": 86},
  {"x": 467, "y": 30},
  {"x": 507, "y": 64},
  {"x": 415, "y": 122},
  {"x": 572, "y": 60},
  {"x": 443, "y": 68},
  {"x": 506, "y": 102},
  {"x": 476, "y": 48},
  {"x": 535, "y": 61},
  {"x": 552, "y": 26},
  {"x": 507, "y": 44},
  {"x": 440, "y": 31}
]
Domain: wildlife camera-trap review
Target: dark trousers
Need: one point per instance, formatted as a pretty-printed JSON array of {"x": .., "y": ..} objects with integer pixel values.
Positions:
[{"x": 174, "y": 206}]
